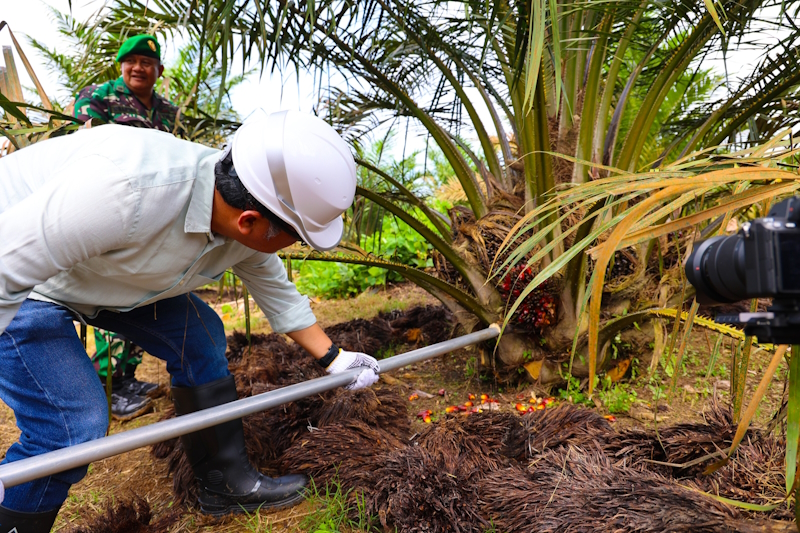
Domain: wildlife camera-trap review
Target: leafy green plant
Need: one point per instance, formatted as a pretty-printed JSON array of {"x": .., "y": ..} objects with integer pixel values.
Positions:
[
  {"x": 721, "y": 370},
  {"x": 573, "y": 392},
  {"x": 396, "y": 242},
  {"x": 618, "y": 346},
  {"x": 617, "y": 397},
  {"x": 471, "y": 367},
  {"x": 657, "y": 389},
  {"x": 385, "y": 352}
]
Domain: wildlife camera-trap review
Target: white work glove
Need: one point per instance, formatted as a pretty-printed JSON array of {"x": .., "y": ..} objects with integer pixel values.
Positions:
[{"x": 347, "y": 360}]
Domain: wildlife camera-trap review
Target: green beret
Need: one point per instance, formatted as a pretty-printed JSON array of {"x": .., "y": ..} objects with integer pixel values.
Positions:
[{"x": 144, "y": 45}]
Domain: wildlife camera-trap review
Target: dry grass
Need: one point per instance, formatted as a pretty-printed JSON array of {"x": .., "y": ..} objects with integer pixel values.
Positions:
[{"x": 128, "y": 516}]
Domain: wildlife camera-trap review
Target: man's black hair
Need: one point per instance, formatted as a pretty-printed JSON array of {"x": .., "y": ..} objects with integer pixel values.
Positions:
[{"x": 232, "y": 190}]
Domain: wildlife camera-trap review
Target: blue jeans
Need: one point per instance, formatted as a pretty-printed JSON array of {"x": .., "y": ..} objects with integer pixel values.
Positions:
[{"x": 51, "y": 385}]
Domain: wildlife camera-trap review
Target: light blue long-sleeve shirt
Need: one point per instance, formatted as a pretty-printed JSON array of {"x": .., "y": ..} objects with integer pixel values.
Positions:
[{"x": 116, "y": 218}]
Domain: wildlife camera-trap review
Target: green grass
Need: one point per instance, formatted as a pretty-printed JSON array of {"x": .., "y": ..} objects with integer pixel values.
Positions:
[
  {"x": 386, "y": 352},
  {"x": 336, "y": 510},
  {"x": 255, "y": 523}
]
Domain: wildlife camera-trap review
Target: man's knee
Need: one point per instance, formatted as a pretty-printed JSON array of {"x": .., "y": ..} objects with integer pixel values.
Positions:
[
  {"x": 86, "y": 422},
  {"x": 95, "y": 424}
]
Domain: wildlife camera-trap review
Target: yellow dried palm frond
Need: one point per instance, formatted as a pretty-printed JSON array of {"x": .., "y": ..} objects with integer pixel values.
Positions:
[
  {"x": 625, "y": 209},
  {"x": 453, "y": 192}
]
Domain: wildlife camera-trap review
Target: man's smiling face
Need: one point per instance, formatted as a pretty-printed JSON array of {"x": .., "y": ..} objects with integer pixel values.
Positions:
[{"x": 140, "y": 72}]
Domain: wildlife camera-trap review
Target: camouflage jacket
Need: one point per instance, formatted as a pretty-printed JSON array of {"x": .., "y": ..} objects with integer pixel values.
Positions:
[{"x": 113, "y": 103}]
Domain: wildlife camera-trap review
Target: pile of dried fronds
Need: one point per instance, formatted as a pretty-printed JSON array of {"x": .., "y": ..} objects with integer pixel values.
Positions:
[
  {"x": 270, "y": 433},
  {"x": 268, "y": 362},
  {"x": 542, "y": 469},
  {"x": 560, "y": 469},
  {"x": 576, "y": 489},
  {"x": 128, "y": 516}
]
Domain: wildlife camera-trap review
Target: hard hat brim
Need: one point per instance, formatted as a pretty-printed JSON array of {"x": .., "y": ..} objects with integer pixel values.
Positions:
[{"x": 327, "y": 239}]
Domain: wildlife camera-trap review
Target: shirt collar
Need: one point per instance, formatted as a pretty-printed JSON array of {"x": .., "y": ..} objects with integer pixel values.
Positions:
[
  {"x": 120, "y": 87},
  {"x": 198, "y": 216}
]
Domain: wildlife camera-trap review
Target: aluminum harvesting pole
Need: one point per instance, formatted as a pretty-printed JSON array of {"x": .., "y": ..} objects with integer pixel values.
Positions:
[{"x": 50, "y": 463}]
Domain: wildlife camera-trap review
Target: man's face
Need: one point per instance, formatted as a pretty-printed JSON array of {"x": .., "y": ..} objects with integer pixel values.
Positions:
[
  {"x": 257, "y": 236},
  {"x": 140, "y": 72}
]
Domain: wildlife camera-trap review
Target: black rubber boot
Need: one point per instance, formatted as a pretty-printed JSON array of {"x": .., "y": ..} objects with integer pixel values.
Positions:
[
  {"x": 20, "y": 522},
  {"x": 228, "y": 482}
]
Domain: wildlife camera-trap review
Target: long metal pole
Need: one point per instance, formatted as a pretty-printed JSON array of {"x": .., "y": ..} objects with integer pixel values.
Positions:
[{"x": 50, "y": 463}]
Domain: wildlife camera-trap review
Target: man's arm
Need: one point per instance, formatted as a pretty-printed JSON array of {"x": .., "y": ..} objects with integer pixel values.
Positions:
[
  {"x": 265, "y": 277},
  {"x": 335, "y": 360},
  {"x": 313, "y": 340},
  {"x": 88, "y": 105},
  {"x": 70, "y": 219},
  {"x": 289, "y": 312}
]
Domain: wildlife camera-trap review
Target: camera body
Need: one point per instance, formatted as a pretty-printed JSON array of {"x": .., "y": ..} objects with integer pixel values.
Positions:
[{"x": 761, "y": 261}]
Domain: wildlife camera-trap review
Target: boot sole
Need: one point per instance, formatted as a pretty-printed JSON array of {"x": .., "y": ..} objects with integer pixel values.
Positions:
[
  {"x": 124, "y": 418},
  {"x": 242, "y": 508}
]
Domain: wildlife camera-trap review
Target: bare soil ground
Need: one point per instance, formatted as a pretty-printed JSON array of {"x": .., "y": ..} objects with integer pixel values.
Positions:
[{"x": 457, "y": 375}]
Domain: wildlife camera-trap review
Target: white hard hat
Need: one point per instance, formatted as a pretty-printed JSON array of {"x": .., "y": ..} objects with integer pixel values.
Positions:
[{"x": 299, "y": 168}]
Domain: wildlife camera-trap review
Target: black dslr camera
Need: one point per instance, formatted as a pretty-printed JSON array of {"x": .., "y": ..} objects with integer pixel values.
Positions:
[{"x": 761, "y": 261}]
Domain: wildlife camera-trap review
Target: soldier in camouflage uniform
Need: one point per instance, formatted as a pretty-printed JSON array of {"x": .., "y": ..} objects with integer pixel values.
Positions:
[{"x": 128, "y": 100}]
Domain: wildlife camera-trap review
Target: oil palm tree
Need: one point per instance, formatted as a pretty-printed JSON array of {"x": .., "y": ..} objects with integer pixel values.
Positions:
[{"x": 572, "y": 89}]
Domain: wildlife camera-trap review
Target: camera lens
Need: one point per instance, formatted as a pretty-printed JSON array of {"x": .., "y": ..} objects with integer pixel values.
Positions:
[{"x": 716, "y": 269}]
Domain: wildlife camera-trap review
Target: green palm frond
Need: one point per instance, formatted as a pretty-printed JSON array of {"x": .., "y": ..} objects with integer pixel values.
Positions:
[{"x": 412, "y": 274}]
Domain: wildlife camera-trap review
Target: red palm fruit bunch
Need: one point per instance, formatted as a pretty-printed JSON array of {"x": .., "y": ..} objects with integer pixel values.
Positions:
[{"x": 539, "y": 309}]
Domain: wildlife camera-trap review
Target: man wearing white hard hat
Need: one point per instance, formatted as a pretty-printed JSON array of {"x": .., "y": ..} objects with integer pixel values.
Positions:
[{"x": 114, "y": 226}]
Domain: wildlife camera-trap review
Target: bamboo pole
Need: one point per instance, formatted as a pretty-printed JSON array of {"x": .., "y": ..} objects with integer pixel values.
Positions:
[
  {"x": 13, "y": 93},
  {"x": 3, "y": 86},
  {"x": 12, "y": 76}
]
